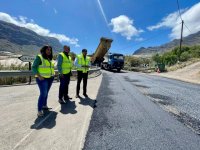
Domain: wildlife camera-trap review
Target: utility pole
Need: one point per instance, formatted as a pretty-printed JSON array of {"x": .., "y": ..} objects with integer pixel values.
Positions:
[{"x": 181, "y": 40}]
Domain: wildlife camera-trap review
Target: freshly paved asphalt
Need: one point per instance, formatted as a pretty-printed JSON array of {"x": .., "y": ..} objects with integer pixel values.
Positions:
[{"x": 138, "y": 111}]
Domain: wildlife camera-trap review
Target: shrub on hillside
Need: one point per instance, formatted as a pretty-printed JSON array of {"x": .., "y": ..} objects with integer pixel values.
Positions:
[
  {"x": 195, "y": 51},
  {"x": 185, "y": 56}
]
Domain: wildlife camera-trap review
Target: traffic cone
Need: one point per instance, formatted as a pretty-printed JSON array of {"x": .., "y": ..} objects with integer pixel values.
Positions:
[{"x": 158, "y": 70}]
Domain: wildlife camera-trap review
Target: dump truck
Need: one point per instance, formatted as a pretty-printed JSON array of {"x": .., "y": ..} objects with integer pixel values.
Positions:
[
  {"x": 107, "y": 60},
  {"x": 113, "y": 61},
  {"x": 102, "y": 49}
]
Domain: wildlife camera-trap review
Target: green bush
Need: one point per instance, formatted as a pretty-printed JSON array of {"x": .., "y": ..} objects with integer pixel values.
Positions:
[
  {"x": 136, "y": 61},
  {"x": 185, "y": 56},
  {"x": 171, "y": 58},
  {"x": 157, "y": 58},
  {"x": 195, "y": 51}
]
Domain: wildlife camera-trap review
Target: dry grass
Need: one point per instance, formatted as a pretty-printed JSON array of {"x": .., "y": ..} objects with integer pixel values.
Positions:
[
  {"x": 13, "y": 80},
  {"x": 182, "y": 64}
]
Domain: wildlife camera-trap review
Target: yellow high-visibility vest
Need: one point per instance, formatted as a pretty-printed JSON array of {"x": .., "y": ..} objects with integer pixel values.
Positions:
[
  {"x": 83, "y": 62},
  {"x": 66, "y": 64},
  {"x": 46, "y": 69}
]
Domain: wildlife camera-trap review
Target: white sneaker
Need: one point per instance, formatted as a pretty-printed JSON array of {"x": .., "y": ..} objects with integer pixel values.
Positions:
[{"x": 40, "y": 113}]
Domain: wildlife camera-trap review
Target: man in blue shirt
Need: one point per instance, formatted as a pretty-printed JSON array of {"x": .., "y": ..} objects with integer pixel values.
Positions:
[{"x": 64, "y": 68}]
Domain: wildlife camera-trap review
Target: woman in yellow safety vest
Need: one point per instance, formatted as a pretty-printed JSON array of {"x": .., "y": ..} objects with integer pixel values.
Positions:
[{"x": 43, "y": 69}]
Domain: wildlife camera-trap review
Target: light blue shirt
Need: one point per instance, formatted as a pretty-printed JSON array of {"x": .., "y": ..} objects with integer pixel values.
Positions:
[{"x": 59, "y": 64}]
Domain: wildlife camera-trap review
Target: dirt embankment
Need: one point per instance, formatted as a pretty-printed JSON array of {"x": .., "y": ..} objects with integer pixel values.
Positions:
[{"x": 190, "y": 73}]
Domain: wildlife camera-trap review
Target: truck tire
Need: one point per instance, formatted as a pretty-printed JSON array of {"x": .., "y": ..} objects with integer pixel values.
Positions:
[
  {"x": 108, "y": 67},
  {"x": 118, "y": 70}
]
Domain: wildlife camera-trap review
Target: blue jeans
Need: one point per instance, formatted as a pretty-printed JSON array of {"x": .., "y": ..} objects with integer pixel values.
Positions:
[{"x": 44, "y": 86}]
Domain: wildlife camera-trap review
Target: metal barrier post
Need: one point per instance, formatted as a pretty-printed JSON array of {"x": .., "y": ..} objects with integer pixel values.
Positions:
[{"x": 29, "y": 67}]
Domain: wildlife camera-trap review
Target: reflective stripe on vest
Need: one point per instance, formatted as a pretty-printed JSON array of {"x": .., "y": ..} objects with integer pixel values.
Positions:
[
  {"x": 66, "y": 63},
  {"x": 83, "y": 62},
  {"x": 46, "y": 69}
]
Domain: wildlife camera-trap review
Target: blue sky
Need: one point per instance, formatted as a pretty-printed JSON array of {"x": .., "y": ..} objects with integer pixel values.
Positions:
[{"x": 81, "y": 23}]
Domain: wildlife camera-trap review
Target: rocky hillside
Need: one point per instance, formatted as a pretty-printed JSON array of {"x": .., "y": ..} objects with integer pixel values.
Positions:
[
  {"x": 193, "y": 39},
  {"x": 21, "y": 40}
]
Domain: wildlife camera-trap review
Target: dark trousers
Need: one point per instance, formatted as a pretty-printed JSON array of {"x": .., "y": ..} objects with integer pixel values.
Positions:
[
  {"x": 64, "y": 84},
  {"x": 44, "y": 86},
  {"x": 81, "y": 76}
]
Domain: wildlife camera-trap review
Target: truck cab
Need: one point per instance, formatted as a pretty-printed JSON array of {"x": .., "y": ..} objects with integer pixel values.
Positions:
[{"x": 113, "y": 61}]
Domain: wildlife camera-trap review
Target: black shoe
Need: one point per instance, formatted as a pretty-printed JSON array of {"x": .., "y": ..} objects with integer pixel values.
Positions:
[
  {"x": 85, "y": 95},
  {"x": 61, "y": 101},
  {"x": 67, "y": 98},
  {"x": 77, "y": 96},
  {"x": 46, "y": 108}
]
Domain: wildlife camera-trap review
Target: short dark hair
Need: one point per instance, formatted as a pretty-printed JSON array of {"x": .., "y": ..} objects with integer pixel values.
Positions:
[
  {"x": 66, "y": 46},
  {"x": 84, "y": 50}
]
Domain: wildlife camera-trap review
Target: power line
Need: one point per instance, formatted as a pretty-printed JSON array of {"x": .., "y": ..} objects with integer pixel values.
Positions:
[
  {"x": 179, "y": 10},
  {"x": 182, "y": 22},
  {"x": 187, "y": 28},
  {"x": 180, "y": 15}
]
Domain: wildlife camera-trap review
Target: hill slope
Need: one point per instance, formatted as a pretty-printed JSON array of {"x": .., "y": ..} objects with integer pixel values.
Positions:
[
  {"x": 193, "y": 39},
  {"x": 20, "y": 40}
]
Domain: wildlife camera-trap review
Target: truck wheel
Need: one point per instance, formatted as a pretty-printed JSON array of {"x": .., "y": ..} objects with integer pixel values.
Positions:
[
  {"x": 118, "y": 70},
  {"x": 108, "y": 67}
]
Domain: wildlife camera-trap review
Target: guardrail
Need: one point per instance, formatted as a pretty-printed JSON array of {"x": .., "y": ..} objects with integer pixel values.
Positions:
[
  {"x": 94, "y": 71},
  {"x": 15, "y": 73}
]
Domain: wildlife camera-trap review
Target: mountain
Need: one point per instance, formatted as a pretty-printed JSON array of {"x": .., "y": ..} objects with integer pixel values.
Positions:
[
  {"x": 20, "y": 40},
  {"x": 193, "y": 39}
]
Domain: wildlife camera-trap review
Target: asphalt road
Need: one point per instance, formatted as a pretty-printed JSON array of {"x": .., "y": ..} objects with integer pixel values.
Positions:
[
  {"x": 138, "y": 111},
  {"x": 134, "y": 111}
]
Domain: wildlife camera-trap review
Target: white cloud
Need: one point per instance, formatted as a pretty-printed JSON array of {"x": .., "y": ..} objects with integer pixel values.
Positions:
[
  {"x": 191, "y": 18},
  {"x": 139, "y": 39},
  {"x": 123, "y": 25},
  {"x": 168, "y": 21},
  {"x": 55, "y": 11},
  {"x": 24, "y": 22}
]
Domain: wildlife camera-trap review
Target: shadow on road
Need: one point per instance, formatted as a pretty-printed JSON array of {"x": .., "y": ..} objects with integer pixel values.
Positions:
[
  {"x": 48, "y": 121},
  {"x": 68, "y": 108},
  {"x": 88, "y": 101}
]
